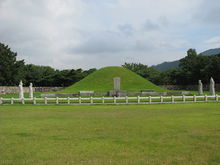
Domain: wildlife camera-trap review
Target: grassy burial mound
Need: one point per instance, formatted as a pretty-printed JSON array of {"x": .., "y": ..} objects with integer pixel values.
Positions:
[{"x": 102, "y": 80}]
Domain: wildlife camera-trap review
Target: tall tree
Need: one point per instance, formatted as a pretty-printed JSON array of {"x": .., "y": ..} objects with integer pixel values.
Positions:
[
  {"x": 10, "y": 68},
  {"x": 149, "y": 73}
]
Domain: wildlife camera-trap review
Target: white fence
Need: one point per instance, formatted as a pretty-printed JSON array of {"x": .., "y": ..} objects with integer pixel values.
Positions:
[{"x": 110, "y": 100}]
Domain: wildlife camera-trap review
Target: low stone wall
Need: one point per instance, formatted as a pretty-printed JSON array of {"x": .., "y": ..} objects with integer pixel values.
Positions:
[
  {"x": 113, "y": 93},
  {"x": 14, "y": 89},
  {"x": 47, "y": 89},
  {"x": 189, "y": 87}
]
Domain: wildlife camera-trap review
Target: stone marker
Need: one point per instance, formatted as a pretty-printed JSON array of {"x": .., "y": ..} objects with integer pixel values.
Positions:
[
  {"x": 48, "y": 95},
  {"x": 116, "y": 83},
  {"x": 185, "y": 93},
  {"x": 212, "y": 87},
  {"x": 21, "y": 91},
  {"x": 31, "y": 91},
  {"x": 86, "y": 93},
  {"x": 118, "y": 93},
  {"x": 200, "y": 88}
]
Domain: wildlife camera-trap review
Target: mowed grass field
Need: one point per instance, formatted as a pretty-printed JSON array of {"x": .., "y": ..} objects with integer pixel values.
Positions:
[{"x": 126, "y": 135}]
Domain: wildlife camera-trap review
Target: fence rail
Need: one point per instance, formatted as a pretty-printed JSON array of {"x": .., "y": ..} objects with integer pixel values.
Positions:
[{"x": 110, "y": 100}]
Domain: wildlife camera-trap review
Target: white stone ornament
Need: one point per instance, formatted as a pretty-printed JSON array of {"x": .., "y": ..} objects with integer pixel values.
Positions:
[
  {"x": 31, "y": 95},
  {"x": 21, "y": 91},
  {"x": 200, "y": 88},
  {"x": 212, "y": 87}
]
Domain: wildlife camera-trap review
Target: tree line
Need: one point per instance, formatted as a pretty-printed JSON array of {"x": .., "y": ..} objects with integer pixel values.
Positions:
[
  {"x": 192, "y": 68},
  {"x": 13, "y": 70}
]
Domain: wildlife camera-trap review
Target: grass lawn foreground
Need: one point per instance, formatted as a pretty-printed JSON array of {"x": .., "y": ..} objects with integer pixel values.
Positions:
[{"x": 126, "y": 134}]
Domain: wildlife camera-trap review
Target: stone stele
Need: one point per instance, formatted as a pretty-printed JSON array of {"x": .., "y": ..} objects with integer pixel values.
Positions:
[
  {"x": 200, "y": 88},
  {"x": 212, "y": 87},
  {"x": 117, "y": 83},
  {"x": 31, "y": 95},
  {"x": 21, "y": 91}
]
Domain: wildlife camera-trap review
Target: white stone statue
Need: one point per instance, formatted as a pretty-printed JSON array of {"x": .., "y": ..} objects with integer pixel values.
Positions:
[
  {"x": 21, "y": 91},
  {"x": 212, "y": 87},
  {"x": 31, "y": 95},
  {"x": 200, "y": 88}
]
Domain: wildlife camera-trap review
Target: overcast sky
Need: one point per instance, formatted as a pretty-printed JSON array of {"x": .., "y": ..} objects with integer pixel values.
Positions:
[{"x": 97, "y": 33}]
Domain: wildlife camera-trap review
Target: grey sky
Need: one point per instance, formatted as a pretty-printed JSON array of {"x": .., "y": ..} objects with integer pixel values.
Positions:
[{"x": 98, "y": 33}]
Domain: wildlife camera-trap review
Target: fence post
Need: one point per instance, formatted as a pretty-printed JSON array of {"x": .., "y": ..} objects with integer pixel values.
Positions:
[
  {"x": 68, "y": 100},
  {"x": 12, "y": 100},
  {"x": 216, "y": 97},
  {"x": 1, "y": 102},
  {"x": 126, "y": 99},
  {"x": 161, "y": 99},
  {"x": 138, "y": 99},
  {"x": 114, "y": 100},
  {"x": 103, "y": 100},
  {"x": 150, "y": 99},
  {"x": 206, "y": 98},
  {"x": 91, "y": 100},
  {"x": 194, "y": 98},
  {"x": 172, "y": 99},
  {"x": 34, "y": 100},
  {"x": 80, "y": 101},
  {"x": 184, "y": 98},
  {"x": 57, "y": 100},
  {"x": 45, "y": 100}
]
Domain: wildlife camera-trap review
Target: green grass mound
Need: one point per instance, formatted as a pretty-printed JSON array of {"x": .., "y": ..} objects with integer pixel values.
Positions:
[{"x": 102, "y": 81}]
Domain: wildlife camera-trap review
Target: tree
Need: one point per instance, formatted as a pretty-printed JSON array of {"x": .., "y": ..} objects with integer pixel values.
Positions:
[
  {"x": 189, "y": 65},
  {"x": 189, "y": 61},
  {"x": 212, "y": 69},
  {"x": 10, "y": 69},
  {"x": 149, "y": 73},
  {"x": 39, "y": 75}
]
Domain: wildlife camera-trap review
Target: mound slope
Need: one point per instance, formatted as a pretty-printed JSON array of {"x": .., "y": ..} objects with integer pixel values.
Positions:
[{"x": 102, "y": 80}]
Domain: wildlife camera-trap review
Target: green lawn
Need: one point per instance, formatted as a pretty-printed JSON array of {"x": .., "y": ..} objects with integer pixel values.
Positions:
[
  {"x": 136, "y": 134},
  {"x": 26, "y": 95}
]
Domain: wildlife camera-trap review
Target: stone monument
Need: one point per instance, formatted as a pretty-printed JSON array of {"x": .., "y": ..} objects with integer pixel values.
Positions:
[
  {"x": 31, "y": 91},
  {"x": 117, "y": 83},
  {"x": 212, "y": 87},
  {"x": 21, "y": 91},
  {"x": 200, "y": 88}
]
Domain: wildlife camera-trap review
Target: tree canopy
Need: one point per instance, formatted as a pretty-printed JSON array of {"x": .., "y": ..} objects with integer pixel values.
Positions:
[
  {"x": 10, "y": 67},
  {"x": 13, "y": 70}
]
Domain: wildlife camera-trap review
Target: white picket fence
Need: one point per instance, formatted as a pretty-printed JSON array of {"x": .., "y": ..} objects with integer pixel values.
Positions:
[{"x": 110, "y": 100}]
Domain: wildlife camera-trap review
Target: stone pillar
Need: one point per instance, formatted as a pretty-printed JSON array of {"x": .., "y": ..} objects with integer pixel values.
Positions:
[
  {"x": 117, "y": 83},
  {"x": 200, "y": 88},
  {"x": 212, "y": 87},
  {"x": 21, "y": 91},
  {"x": 31, "y": 91}
]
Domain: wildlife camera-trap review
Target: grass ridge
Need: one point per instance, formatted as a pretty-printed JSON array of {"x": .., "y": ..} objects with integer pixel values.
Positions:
[{"x": 102, "y": 81}]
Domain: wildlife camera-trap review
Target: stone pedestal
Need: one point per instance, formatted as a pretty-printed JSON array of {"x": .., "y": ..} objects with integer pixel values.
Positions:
[
  {"x": 117, "y": 93},
  {"x": 86, "y": 93}
]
